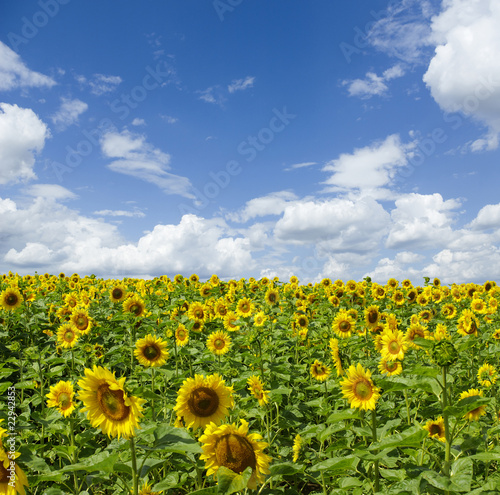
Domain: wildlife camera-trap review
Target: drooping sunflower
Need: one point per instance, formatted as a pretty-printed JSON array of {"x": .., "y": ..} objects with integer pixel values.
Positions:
[
  {"x": 11, "y": 298},
  {"x": 487, "y": 375},
  {"x": 320, "y": 371},
  {"x": 151, "y": 351},
  {"x": 230, "y": 321},
  {"x": 12, "y": 477},
  {"x": 107, "y": 404},
  {"x": 236, "y": 449},
  {"x": 475, "y": 414},
  {"x": 390, "y": 368},
  {"x": 393, "y": 345},
  {"x": 468, "y": 324},
  {"x": 219, "y": 343},
  {"x": 441, "y": 332},
  {"x": 336, "y": 356},
  {"x": 359, "y": 389},
  {"x": 203, "y": 400},
  {"x": 61, "y": 396},
  {"x": 67, "y": 336},
  {"x": 372, "y": 315},
  {"x": 81, "y": 320},
  {"x": 436, "y": 429},
  {"x": 244, "y": 307},
  {"x": 135, "y": 305},
  {"x": 118, "y": 293},
  {"x": 343, "y": 324},
  {"x": 256, "y": 387},
  {"x": 181, "y": 335}
]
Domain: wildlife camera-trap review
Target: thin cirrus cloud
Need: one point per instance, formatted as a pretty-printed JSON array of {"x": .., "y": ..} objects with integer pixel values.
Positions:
[
  {"x": 218, "y": 95},
  {"x": 135, "y": 157},
  {"x": 68, "y": 113},
  {"x": 15, "y": 74},
  {"x": 241, "y": 84}
]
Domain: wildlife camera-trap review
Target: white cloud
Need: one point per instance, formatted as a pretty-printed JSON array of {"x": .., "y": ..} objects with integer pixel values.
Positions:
[
  {"x": 368, "y": 171},
  {"x": 138, "y": 122},
  {"x": 68, "y": 112},
  {"x": 241, "y": 84},
  {"x": 271, "y": 204},
  {"x": 120, "y": 213},
  {"x": 422, "y": 221},
  {"x": 299, "y": 165},
  {"x": 54, "y": 192},
  {"x": 487, "y": 218},
  {"x": 101, "y": 84},
  {"x": 168, "y": 119},
  {"x": 14, "y": 73},
  {"x": 373, "y": 85},
  {"x": 464, "y": 74},
  {"x": 213, "y": 95},
  {"x": 402, "y": 30},
  {"x": 22, "y": 135},
  {"x": 137, "y": 158}
]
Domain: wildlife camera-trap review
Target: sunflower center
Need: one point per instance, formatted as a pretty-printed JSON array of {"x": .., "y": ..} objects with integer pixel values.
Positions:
[
  {"x": 64, "y": 400},
  {"x": 344, "y": 326},
  {"x": 391, "y": 366},
  {"x": 435, "y": 430},
  {"x": 11, "y": 299},
  {"x": 394, "y": 347},
  {"x": 4, "y": 475},
  {"x": 117, "y": 293},
  {"x": 272, "y": 298},
  {"x": 471, "y": 329},
  {"x": 112, "y": 403},
  {"x": 235, "y": 452},
  {"x": 244, "y": 308},
  {"x": 181, "y": 334},
  {"x": 372, "y": 317},
  {"x": 219, "y": 344},
  {"x": 203, "y": 402},
  {"x": 302, "y": 322},
  {"x": 136, "y": 309},
  {"x": 151, "y": 352},
  {"x": 363, "y": 390},
  {"x": 69, "y": 336},
  {"x": 199, "y": 314},
  {"x": 82, "y": 323}
]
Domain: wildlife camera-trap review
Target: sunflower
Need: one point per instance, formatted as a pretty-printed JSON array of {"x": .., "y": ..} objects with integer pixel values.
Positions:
[
  {"x": 478, "y": 411},
  {"x": 146, "y": 488},
  {"x": 61, "y": 396},
  {"x": 398, "y": 297},
  {"x": 259, "y": 319},
  {"x": 496, "y": 334},
  {"x": 487, "y": 375},
  {"x": 80, "y": 320},
  {"x": 390, "y": 368},
  {"x": 414, "y": 331},
  {"x": 392, "y": 283},
  {"x": 218, "y": 343},
  {"x": 11, "y": 298},
  {"x": 320, "y": 371},
  {"x": 244, "y": 307},
  {"x": 372, "y": 315},
  {"x": 151, "y": 351},
  {"x": 118, "y": 293},
  {"x": 256, "y": 387},
  {"x": 71, "y": 300},
  {"x": 205, "y": 290},
  {"x": 449, "y": 311},
  {"x": 107, "y": 405},
  {"x": 220, "y": 308},
  {"x": 436, "y": 429},
  {"x": 426, "y": 315},
  {"x": 197, "y": 326},
  {"x": 358, "y": 388},
  {"x": 272, "y": 296},
  {"x": 334, "y": 300},
  {"x": 197, "y": 311},
  {"x": 393, "y": 345},
  {"x": 230, "y": 321},
  {"x": 478, "y": 306},
  {"x": 234, "y": 448},
  {"x": 336, "y": 356},
  {"x": 181, "y": 335},
  {"x": 468, "y": 324},
  {"x": 301, "y": 320},
  {"x": 297, "y": 446},
  {"x": 203, "y": 400},
  {"x": 135, "y": 305},
  {"x": 67, "y": 336},
  {"x": 441, "y": 332},
  {"x": 343, "y": 324},
  {"x": 12, "y": 477}
]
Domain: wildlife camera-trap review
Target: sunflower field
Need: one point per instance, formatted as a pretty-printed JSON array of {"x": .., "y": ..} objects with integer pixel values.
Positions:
[{"x": 181, "y": 386}]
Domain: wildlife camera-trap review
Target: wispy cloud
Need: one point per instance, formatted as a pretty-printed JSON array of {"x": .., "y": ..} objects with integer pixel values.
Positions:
[
  {"x": 68, "y": 113},
  {"x": 241, "y": 84},
  {"x": 299, "y": 165},
  {"x": 120, "y": 213},
  {"x": 100, "y": 84},
  {"x": 372, "y": 84}
]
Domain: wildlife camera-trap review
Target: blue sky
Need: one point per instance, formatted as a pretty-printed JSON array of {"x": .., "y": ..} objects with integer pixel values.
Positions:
[{"x": 251, "y": 138}]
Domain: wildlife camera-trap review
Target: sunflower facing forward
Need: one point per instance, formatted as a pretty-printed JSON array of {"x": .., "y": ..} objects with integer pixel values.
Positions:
[
  {"x": 151, "y": 351},
  {"x": 61, "y": 396},
  {"x": 219, "y": 343},
  {"x": 436, "y": 429},
  {"x": 107, "y": 405},
  {"x": 320, "y": 371},
  {"x": 358, "y": 388},
  {"x": 11, "y": 299},
  {"x": 203, "y": 400},
  {"x": 236, "y": 449}
]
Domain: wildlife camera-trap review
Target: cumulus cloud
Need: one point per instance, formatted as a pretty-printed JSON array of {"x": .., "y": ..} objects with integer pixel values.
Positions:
[
  {"x": 368, "y": 171},
  {"x": 68, "y": 113},
  {"x": 22, "y": 136},
  {"x": 372, "y": 84},
  {"x": 487, "y": 218},
  {"x": 137, "y": 158},
  {"x": 15, "y": 74},
  {"x": 53, "y": 192},
  {"x": 464, "y": 76}
]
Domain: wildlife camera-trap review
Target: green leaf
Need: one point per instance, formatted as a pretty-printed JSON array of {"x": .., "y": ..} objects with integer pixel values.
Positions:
[
  {"x": 412, "y": 437},
  {"x": 285, "y": 468},
  {"x": 493, "y": 455},
  {"x": 336, "y": 463},
  {"x": 342, "y": 415},
  {"x": 461, "y": 473},
  {"x": 467, "y": 405},
  {"x": 171, "y": 480},
  {"x": 172, "y": 439},
  {"x": 393, "y": 474},
  {"x": 230, "y": 482},
  {"x": 103, "y": 461}
]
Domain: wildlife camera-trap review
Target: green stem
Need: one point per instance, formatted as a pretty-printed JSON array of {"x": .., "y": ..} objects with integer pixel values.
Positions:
[
  {"x": 447, "y": 455},
  {"x": 73, "y": 454},
  {"x": 407, "y": 408},
  {"x": 135, "y": 480},
  {"x": 153, "y": 390},
  {"x": 374, "y": 436}
]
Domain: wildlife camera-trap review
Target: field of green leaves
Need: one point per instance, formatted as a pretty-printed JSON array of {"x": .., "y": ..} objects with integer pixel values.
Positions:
[{"x": 181, "y": 386}]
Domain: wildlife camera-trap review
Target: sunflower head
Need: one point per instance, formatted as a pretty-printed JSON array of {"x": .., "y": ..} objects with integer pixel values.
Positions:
[
  {"x": 135, "y": 306},
  {"x": 436, "y": 429},
  {"x": 151, "y": 351},
  {"x": 475, "y": 414},
  {"x": 218, "y": 343},
  {"x": 61, "y": 397},
  {"x": 11, "y": 299},
  {"x": 444, "y": 353},
  {"x": 118, "y": 293},
  {"x": 67, "y": 336},
  {"x": 320, "y": 371},
  {"x": 359, "y": 389}
]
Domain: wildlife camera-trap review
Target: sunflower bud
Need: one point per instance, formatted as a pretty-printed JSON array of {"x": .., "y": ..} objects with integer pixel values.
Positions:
[{"x": 444, "y": 353}]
